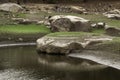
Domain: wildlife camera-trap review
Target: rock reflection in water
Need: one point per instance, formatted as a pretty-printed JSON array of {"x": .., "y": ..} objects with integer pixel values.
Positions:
[{"x": 67, "y": 63}]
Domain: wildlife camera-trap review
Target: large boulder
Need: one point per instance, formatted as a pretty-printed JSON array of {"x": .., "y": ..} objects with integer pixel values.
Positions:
[
  {"x": 52, "y": 45},
  {"x": 65, "y": 45},
  {"x": 11, "y": 7},
  {"x": 69, "y": 23}
]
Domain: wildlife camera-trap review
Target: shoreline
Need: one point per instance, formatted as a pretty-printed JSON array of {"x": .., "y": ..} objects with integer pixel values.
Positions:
[{"x": 17, "y": 44}]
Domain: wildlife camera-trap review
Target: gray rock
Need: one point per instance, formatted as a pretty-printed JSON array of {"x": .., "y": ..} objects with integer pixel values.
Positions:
[
  {"x": 70, "y": 23},
  {"x": 61, "y": 25},
  {"x": 99, "y": 25},
  {"x": 11, "y": 7},
  {"x": 113, "y": 14},
  {"x": 77, "y": 9},
  {"x": 113, "y": 31},
  {"x": 115, "y": 11},
  {"x": 66, "y": 45}
]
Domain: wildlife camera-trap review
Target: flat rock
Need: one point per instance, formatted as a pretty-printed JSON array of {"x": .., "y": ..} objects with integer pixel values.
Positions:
[{"x": 66, "y": 45}]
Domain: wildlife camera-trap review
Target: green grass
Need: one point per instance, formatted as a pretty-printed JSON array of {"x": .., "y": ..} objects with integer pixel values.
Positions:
[
  {"x": 98, "y": 31},
  {"x": 25, "y": 29},
  {"x": 72, "y": 34}
]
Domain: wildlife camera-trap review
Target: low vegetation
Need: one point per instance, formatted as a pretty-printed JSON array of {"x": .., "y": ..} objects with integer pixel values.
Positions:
[
  {"x": 72, "y": 34},
  {"x": 24, "y": 29}
]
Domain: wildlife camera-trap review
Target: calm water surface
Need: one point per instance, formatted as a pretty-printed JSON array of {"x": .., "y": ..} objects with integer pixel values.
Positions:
[{"x": 23, "y": 63}]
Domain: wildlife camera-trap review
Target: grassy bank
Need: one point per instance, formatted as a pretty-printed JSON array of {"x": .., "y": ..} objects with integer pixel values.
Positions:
[
  {"x": 22, "y": 32},
  {"x": 72, "y": 34},
  {"x": 24, "y": 29}
]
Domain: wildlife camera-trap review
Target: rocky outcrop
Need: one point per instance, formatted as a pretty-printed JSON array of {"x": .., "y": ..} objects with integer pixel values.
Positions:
[
  {"x": 55, "y": 45},
  {"x": 11, "y": 7},
  {"x": 69, "y": 23},
  {"x": 66, "y": 45}
]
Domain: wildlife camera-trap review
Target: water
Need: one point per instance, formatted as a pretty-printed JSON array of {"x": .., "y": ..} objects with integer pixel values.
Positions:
[{"x": 23, "y": 63}]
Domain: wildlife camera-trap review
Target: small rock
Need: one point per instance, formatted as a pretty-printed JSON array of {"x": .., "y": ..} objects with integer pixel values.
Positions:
[
  {"x": 99, "y": 25},
  {"x": 113, "y": 31},
  {"x": 20, "y": 39}
]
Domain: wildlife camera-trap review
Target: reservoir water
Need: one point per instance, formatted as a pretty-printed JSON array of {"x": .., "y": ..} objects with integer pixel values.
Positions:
[{"x": 24, "y": 63}]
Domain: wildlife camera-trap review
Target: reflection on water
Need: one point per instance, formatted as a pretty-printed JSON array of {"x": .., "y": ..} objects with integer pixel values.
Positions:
[
  {"x": 23, "y": 63},
  {"x": 70, "y": 64}
]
